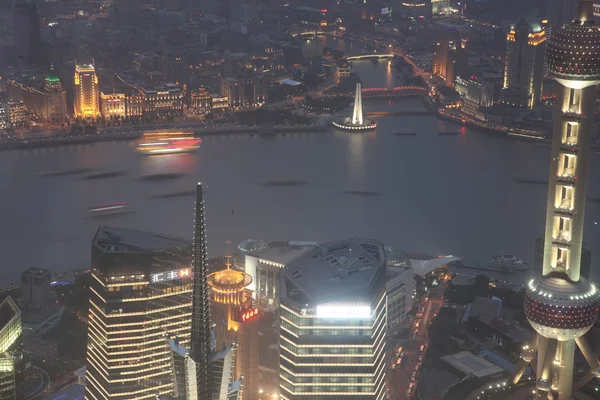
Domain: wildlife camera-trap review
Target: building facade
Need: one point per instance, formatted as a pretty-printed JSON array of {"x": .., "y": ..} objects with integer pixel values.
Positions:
[
  {"x": 11, "y": 351},
  {"x": 162, "y": 100},
  {"x": 87, "y": 100},
  {"x": 140, "y": 297},
  {"x": 48, "y": 103},
  {"x": 236, "y": 323},
  {"x": 265, "y": 263},
  {"x": 524, "y": 65},
  {"x": 400, "y": 287},
  {"x": 333, "y": 323},
  {"x": 35, "y": 289},
  {"x": 450, "y": 60}
]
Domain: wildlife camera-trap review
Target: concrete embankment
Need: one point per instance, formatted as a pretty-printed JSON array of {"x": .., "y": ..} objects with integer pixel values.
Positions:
[{"x": 133, "y": 135}]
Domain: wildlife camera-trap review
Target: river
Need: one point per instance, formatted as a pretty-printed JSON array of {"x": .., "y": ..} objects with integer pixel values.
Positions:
[{"x": 428, "y": 193}]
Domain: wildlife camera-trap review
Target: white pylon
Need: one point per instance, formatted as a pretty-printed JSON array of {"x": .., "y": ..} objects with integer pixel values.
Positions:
[{"x": 357, "y": 116}]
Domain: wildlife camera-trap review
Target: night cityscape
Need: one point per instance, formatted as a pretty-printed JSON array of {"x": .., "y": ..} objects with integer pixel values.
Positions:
[{"x": 300, "y": 200}]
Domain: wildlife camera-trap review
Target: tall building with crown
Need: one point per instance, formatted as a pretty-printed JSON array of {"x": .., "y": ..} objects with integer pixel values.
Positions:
[
  {"x": 236, "y": 322},
  {"x": 560, "y": 304},
  {"x": 87, "y": 94},
  {"x": 524, "y": 65}
]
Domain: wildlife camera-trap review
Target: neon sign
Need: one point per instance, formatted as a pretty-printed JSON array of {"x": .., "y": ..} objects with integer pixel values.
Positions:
[
  {"x": 171, "y": 275},
  {"x": 249, "y": 315}
]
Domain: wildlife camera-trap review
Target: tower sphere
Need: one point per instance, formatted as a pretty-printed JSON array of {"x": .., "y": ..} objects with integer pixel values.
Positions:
[
  {"x": 561, "y": 310},
  {"x": 573, "y": 52}
]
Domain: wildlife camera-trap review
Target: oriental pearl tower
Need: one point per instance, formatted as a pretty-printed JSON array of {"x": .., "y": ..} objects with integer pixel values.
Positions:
[{"x": 560, "y": 304}]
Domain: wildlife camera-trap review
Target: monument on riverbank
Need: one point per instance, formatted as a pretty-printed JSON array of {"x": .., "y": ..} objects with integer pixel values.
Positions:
[{"x": 357, "y": 122}]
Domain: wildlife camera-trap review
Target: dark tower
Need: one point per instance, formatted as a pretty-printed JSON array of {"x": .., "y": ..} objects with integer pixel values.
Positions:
[
  {"x": 27, "y": 33},
  {"x": 201, "y": 323}
]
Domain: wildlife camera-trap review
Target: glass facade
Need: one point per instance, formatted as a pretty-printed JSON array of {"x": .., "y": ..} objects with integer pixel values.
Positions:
[
  {"x": 332, "y": 342},
  {"x": 139, "y": 298},
  {"x": 11, "y": 355},
  {"x": 330, "y": 358}
]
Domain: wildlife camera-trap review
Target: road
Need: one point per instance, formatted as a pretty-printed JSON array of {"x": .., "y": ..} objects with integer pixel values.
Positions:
[{"x": 402, "y": 376}]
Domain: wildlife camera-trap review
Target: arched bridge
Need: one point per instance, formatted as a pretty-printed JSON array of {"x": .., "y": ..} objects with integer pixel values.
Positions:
[
  {"x": 394, "y": 92},
  {"x": 370, "y": 56}
]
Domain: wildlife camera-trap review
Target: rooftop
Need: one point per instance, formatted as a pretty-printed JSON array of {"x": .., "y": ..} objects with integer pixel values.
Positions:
[
  {"x": 472, "y": 365},
  {"x": 335, "y": 270},
  {"x": 283, "y": 253},
  {"x": 112, "y": 239}
]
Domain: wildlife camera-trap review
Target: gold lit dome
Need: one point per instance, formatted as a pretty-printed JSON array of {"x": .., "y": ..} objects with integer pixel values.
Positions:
[{"x": 229, "y": 286}]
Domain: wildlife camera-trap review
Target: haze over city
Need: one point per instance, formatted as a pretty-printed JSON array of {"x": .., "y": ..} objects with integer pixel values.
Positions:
[{"x": 299, "y": 200}]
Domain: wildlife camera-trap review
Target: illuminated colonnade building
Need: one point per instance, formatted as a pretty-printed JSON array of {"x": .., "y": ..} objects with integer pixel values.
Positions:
[
  {"x": 561, "y": 305},
  {"x": 236, "y": 323},
  {"x": 333, "y": 323},
  {"x": 140, "y": 295}
]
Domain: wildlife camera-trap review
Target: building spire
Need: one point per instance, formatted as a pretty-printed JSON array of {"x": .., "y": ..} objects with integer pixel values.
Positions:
[
  {"x": 201, "y": 322},
  {"x": 357, "y": 115}
]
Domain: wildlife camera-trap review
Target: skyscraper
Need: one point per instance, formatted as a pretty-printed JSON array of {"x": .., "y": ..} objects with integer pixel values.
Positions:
[
  {"x": 87, "y": 100},
  {"x": 332, "y": 317},
  {"x": 27, "y": 33},
  {"x": 450, "y": 60},
  {"x": 560, "y": 304},
  {"x": 524, "y": 65},
  {"x": 206, "y": 372},
  {"x": 140, "y": 296},
  {"x": 11, "y": 355}
]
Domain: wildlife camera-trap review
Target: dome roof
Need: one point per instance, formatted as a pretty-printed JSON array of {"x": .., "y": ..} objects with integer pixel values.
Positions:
[
  {"x": 253, "y": 246},
  {"x": 573, "y": 52}
]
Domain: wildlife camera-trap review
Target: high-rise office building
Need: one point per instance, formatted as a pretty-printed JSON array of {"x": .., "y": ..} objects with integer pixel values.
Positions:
[
  {"x": 140, "y": 296},
  {"x": 87, "y": 95},
  {"x": 524, "y": 65},
  {"x": 560, "y": 304},
  {"x": 236, "y": 322},
  {"x": 27, "y": 32},
  {"x": 333, "y": 323},
  {"x": 450, "y": 60},
  {"x": 175, "y": 67},
  {"x": 203, "y": 372},
  {"x": 35, "y": 289},
  {"x": 11, "y": 351}
]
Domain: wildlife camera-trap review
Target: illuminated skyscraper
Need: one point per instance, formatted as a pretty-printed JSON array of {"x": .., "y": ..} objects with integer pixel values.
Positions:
[
  {"x": 560, "y": 304},
  {"x": 87, "y": 100},
  {"x": 206, "y": 373},
  {"x": 140, "y": 295},
  {"x": 524, "y": 65},
  {"x": 333, "y": 323},
  {"x": 236, "y": 321},
  {"x": 11, "y": 356}
]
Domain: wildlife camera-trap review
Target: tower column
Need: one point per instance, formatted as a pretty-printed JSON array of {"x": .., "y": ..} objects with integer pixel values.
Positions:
[{"x": 566, "y": 352}]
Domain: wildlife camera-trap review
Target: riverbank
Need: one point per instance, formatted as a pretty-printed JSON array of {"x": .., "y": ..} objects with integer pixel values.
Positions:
[{"x": 61, "y": 140}]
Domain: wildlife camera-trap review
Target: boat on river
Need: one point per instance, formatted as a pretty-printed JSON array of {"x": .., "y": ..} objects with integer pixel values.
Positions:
[{"x": 506, "y": 263}]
